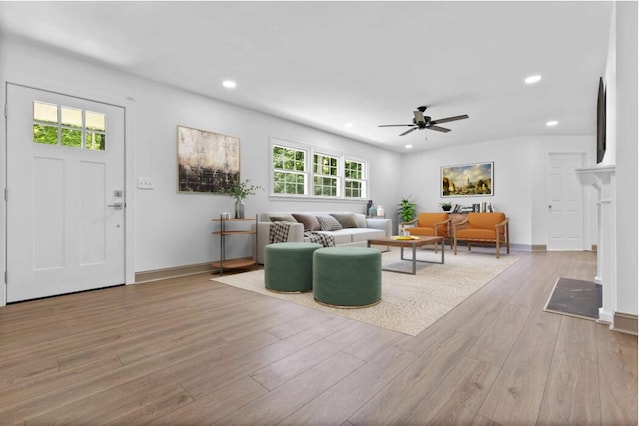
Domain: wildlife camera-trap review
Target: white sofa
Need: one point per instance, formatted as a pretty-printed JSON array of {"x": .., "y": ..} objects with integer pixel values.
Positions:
[{"x": 366, "y": 229}]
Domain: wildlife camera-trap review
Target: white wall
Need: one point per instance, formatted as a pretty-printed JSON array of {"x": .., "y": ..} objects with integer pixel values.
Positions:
[
  {"x": 519, "y": 180},
  {"x": 168, "y": 228},
  {"x": 622, "y": 137}
]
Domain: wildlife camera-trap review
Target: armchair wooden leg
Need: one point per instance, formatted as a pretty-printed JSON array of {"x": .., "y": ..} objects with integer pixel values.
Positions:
[
  {"x": 497, "y": 249},
  {"x": 455, "y": 246}
]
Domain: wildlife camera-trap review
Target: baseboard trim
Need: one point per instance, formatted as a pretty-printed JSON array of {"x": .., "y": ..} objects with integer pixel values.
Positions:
[
  {"x": 625, "y": 323},
  {"x": 177, "y": 271}
]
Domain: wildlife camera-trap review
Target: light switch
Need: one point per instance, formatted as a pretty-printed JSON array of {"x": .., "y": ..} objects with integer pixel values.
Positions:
[{"x": 145, "y": 183}]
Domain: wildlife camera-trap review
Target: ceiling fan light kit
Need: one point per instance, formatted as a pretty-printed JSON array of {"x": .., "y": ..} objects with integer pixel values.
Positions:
[{"x": 421, "y": 121}]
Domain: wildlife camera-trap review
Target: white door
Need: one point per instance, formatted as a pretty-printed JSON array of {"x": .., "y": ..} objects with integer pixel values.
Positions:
[
  {"x": 564, "y": 199},
  {"x": 65, "y": 198}
]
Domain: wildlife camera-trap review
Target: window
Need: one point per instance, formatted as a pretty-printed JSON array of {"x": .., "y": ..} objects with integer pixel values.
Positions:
[
  {"x": 289, "y": 170},
  {"x": 66, "y": 126},
  {"x": 354, "y": 183},
  {"x": 300, "y": 170},
  {"x": 325, "y": 175}
]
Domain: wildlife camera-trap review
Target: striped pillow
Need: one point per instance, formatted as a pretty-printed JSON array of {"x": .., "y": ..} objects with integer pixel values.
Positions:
[{"x": 329, "y": 223}]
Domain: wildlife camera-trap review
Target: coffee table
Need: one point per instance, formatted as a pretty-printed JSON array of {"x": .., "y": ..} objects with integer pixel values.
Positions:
[{"x": 413, "y": 244}]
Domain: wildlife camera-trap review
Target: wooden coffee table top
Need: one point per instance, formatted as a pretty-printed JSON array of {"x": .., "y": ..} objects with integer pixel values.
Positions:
[{"x": 390, "y": 241}]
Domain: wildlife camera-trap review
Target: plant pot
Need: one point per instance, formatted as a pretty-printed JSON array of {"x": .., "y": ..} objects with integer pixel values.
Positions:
[{"x": 446, "y": 208}]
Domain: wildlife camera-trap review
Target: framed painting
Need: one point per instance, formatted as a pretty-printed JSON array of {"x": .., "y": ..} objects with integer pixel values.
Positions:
[
  {"x": 207, "y": 162},
  {"x": 464, "y": 180}
]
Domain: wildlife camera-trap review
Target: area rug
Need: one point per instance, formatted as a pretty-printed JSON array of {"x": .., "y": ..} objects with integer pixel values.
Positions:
[
  {"x": 410, "y": 303},
  {"x": 577, "y": 298}
]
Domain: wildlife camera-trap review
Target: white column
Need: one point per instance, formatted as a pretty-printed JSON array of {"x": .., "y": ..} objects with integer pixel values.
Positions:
[{"x": 603, "y": 179}]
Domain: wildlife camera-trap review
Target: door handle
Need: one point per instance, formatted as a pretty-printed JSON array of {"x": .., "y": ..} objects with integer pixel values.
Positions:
[{"x": 116, "y": 205}]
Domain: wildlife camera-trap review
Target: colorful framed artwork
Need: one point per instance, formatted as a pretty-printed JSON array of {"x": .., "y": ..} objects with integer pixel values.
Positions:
[
  {"x": 207, "y": 162},
  {"x": 465, "y": 180}
]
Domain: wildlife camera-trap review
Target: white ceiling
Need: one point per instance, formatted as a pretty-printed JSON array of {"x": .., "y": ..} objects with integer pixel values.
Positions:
[{"x": 324, "y": 64}]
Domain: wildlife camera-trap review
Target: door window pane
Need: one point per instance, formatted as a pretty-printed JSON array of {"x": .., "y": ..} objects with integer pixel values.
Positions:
[
  {"x": 95, "y": 141},
  {"x": 45, "y": 134},
  {"x": 46, "y": 113},
  {"x": 71, "y": 117},
  {"x": 72, "y": 138},
  {"x": 96, "y": 121}
]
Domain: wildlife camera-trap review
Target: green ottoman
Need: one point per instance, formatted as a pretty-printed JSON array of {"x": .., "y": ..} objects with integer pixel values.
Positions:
[
  {"x": 347, "y": 277},
  {"x": 288, "y": 266}
]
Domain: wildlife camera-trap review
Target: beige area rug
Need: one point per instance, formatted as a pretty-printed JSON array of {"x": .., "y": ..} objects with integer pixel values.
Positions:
[{"x": 410, "y": 303}]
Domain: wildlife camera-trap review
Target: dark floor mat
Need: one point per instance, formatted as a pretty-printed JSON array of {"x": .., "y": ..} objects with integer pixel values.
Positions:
[{"x": 575, "y": 297}]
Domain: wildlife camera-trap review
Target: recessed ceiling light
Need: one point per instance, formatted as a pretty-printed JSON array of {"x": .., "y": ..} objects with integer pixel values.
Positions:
[
  {"x": 348, "y": 125},
  {"x": 533, "y": 79},
  {"x": 408, "y": 146},
  {"x": 229, "y": 84},
  {"x": 552, "y": 123}
]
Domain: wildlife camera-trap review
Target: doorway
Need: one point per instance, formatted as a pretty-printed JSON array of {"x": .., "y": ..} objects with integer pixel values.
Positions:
[
  {"x": 65, "y": 194},
  {"x": 565, "y": 211}
]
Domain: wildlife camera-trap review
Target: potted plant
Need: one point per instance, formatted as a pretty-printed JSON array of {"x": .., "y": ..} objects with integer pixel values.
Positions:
[
  {"x": 446, "y": 206},
  {"x": 241, "y": 190},
  {"x": 406, "y": 212}
]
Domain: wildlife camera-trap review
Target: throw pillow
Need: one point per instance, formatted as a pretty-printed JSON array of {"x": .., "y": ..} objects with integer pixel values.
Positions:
[
  {"x": 309, "y": 221},
  {"x": 282, "y": 218},
  {"x": 346, "y": 220},
  {"x": 329, "y": 223},
  {"x": 361, "y": 220}
]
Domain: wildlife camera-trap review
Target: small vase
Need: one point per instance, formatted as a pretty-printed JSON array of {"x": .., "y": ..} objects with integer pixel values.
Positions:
[{"x": 239, "y": 209}]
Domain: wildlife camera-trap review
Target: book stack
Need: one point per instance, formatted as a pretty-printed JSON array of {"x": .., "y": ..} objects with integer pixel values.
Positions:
[{"x": 473, "y": 208}]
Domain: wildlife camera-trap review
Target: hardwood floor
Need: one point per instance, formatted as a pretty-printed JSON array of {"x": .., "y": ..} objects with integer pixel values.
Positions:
[{"x": 193, "y": 351}]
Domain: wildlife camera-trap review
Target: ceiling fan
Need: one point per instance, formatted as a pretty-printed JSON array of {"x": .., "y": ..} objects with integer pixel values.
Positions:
[{"x": 420, "y": 121}]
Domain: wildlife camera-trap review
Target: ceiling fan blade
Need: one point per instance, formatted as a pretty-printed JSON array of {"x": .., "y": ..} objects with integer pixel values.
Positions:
[
  {"x": 419, "y": 117},
  {"x": 408, "y": 131},
  {"x": 395, "y": 125},
  {"x": 445, "y": 120},
  {"x": 439, "y": 129}
]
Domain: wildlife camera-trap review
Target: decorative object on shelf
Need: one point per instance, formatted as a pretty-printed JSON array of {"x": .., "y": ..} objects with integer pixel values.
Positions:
[
  {"x": 380, "y": 211},
  {"x": 372, "y": 210},
  {"x": 445, "y": 206},
  {"x": 207, "y": 161},
  {"x": 467, "y": 180},
  {"x": 241, "y": 190},
  {"x": 369, "y": 205}
]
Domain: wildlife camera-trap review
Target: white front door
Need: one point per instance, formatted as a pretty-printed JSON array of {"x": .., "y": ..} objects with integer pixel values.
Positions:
[
  {"x": 564, "y": 199},
  {"x": 65, "y": 194}
]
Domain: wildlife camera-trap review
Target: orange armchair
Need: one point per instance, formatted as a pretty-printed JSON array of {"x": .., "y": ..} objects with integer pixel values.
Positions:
[
  {"x": 431, "y": 225},
  {"x": 483, "y": 228}
]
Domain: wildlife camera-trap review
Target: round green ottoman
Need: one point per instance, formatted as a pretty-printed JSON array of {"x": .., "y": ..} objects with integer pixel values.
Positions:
[
  {"x": 288, "y": 266},
  {"x": 347, "y": 277}
]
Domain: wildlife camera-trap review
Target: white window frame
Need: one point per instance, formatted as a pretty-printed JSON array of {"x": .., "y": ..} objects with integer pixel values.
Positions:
[
  {"x": 364, "y": 179},
  {"x": 309, "y": 172}
]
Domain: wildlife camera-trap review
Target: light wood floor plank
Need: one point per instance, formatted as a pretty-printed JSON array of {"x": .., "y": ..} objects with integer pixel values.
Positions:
[
  {"x": 354, "y": 391},
  {"x": 494, "y": 345},
  {"x": 618, "y": 377},
  {"x": 516, "y": 395},
  {"x": 395, "y": 403},
  {"x": 571, "y": 396},
  {"x": 214, "y": 406},
  {"x": 459, "y": 396},
  {"x": 286, "y": 399}
]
